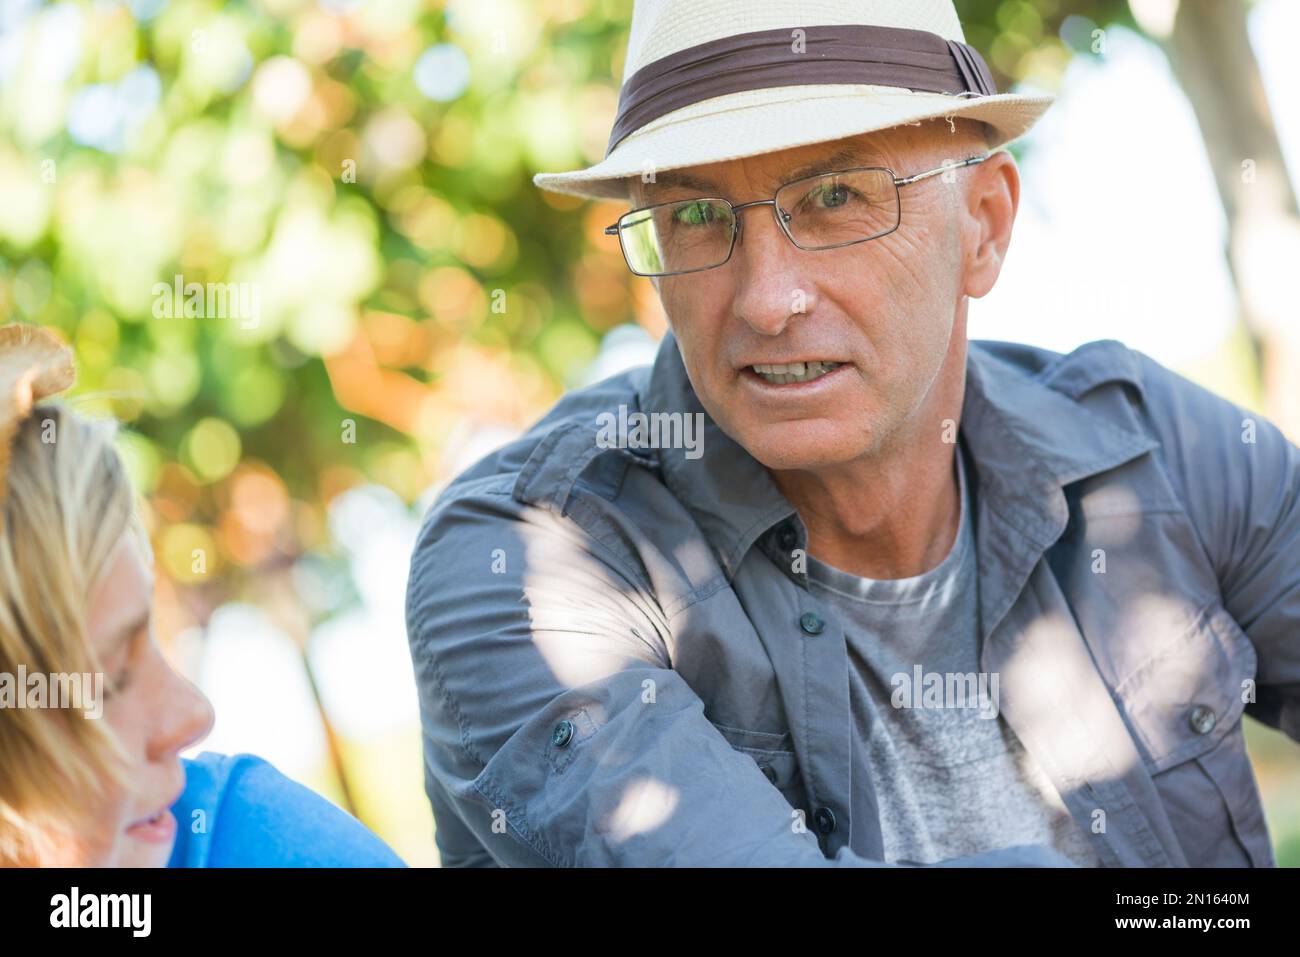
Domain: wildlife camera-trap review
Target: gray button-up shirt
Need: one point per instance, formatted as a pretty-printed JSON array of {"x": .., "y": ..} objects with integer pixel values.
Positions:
[{"x": 620, "y": 661}]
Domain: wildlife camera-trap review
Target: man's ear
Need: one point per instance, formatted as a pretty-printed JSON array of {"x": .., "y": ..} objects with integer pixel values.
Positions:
[{"x": 989, "y": 213}]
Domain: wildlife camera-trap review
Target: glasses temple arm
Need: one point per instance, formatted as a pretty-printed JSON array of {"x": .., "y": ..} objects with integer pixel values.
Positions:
[{"x": 969, "y": 161}]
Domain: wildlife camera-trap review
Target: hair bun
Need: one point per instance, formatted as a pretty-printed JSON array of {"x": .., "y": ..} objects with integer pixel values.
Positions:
[{"x": 34, "y": 363}]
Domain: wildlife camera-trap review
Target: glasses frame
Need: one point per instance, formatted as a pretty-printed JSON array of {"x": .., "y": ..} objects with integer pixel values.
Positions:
[{"x": 782, "y": 219}]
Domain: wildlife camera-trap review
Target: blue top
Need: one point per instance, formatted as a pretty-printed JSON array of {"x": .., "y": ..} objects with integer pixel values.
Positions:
[{"x": 239, "y": 811}]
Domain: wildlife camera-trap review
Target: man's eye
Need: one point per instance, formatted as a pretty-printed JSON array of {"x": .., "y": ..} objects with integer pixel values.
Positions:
[
  {"x": 697, "y": 214},
  {"x": 833, "y": 195}
]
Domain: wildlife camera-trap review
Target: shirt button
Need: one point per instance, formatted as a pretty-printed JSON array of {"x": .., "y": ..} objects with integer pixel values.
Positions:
[
  {"x": 811, "y": 624},
  {"x": 825, "y": 820},
  {"x": 787, "y": 537},
  {"x": 1202, "y": 719},
  {"x": 768, "y": 772},
  {"x": 562, "y": 734}
]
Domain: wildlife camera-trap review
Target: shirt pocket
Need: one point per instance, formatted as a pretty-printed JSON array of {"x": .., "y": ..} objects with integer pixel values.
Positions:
[
  {"x": 1184, "y": 706},
  {"x": 773, "y": 752}
]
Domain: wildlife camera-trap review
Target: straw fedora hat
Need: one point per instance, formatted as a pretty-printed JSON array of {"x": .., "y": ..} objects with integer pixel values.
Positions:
[{"x": 712, "y": 80}]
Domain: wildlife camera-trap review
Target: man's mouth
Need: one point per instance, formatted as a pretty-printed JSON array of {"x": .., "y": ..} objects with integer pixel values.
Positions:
[{"x": 783, "y": 373}]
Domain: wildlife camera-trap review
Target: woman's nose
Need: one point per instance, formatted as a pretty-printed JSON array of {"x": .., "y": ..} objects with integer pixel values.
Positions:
[{"x": 190, "y": 716}]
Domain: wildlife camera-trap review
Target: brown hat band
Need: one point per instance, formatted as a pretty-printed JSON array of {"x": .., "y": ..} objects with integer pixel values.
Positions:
[{"x": 846, "y": 53}]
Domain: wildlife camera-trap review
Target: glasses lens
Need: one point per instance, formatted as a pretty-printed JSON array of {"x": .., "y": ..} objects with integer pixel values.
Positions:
[
  {"x": 840, "y": 208},
  {"x": 677, "y": 237}
]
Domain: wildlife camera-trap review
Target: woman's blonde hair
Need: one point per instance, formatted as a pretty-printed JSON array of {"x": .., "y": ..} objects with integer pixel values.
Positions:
[{"x": 67, "y": 505}]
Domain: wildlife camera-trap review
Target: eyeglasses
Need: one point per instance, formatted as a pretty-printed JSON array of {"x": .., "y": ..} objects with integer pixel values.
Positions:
[{"x": 825, "y": 211}]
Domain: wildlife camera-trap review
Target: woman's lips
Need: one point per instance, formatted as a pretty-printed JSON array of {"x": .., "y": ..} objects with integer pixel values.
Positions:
[{"x": 158, "y": 829}]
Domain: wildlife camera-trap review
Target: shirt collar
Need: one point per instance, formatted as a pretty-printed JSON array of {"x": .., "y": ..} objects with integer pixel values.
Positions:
[{"x": 1026, "y": 440}]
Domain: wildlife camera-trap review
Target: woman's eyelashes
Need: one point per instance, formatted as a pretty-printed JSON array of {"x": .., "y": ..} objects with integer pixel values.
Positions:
[
  {"x": 117, "y": 684},
  {"x": 121, "y": 679}
]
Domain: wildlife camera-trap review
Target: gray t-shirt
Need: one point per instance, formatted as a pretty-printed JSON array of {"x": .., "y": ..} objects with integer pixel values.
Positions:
[{"x": 951, "y": 776}]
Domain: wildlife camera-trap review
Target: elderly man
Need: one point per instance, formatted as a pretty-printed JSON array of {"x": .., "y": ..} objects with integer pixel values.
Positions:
[{"x": 903, "y": 598}]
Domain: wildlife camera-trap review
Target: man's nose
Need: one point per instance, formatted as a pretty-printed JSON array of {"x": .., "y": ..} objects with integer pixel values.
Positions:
[{"x": 768, "y": 264}]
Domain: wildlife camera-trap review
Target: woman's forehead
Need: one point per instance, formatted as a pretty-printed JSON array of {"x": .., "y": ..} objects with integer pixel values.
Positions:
[{"x": 120, "y": 597}]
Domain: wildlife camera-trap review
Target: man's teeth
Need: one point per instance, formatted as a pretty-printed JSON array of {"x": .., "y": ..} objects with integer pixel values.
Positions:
[{"x": 780, "y": 374}]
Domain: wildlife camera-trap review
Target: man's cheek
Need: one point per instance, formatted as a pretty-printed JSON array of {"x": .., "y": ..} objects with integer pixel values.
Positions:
[{"x": 909, "y": 261}]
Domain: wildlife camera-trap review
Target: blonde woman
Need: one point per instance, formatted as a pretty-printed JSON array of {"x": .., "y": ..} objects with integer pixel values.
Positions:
[{"x": 92, "y": 716}]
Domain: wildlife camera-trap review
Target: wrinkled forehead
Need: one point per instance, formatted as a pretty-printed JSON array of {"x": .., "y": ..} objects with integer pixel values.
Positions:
[{"x": 895, "y": 148}]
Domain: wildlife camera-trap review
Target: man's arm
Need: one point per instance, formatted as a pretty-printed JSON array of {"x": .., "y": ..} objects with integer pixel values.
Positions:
[
  {"x": 554, "y": 726},
  {"x": 1240, "y": 479}
]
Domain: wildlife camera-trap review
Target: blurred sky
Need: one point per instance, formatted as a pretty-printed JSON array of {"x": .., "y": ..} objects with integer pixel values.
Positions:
[{"x": 1120, "y": 232}]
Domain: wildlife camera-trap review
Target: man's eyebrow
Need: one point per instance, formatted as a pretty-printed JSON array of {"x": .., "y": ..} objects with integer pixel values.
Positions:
[
  {"x": 672, "y": 178},
  {"x": 845, "y": 157}
]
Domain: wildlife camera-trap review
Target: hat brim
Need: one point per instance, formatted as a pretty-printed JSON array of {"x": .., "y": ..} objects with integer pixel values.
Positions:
[{"x": 767, "y": 120}]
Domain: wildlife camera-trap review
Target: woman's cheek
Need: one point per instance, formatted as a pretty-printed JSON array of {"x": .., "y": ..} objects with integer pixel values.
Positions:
[
  {"x": 101, "y": 838},
  {"x": 94, "y": 844}
]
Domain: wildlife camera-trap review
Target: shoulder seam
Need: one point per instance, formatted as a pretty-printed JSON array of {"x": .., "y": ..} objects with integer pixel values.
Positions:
[{"x": 1057, "y": 374}]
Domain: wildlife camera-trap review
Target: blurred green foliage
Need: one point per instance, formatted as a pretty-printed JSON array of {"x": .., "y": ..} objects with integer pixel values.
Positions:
[{"x": 389, "y": 227}]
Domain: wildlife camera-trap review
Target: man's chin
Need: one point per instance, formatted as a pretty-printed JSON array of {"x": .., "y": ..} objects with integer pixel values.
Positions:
[{"x": 801, "y": 446}]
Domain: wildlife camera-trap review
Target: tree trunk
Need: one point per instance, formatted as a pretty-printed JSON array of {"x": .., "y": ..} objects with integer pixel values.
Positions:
[{"x": 1209, "y": 51}]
